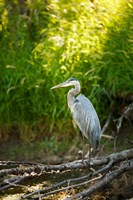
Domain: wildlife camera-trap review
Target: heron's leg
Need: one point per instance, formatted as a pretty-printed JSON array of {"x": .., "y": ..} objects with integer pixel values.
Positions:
[
  {"x": 83, "y": 140},
  {"x": 89, "y": 154}
]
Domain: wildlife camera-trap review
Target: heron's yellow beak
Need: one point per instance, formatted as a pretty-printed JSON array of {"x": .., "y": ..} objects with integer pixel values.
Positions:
[
  {"x": 64, "y": 84},
  {"x": 57, "y": 86}
]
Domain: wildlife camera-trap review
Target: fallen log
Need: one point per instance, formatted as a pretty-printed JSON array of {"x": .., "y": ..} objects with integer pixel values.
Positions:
[
  {"x": 103, "y": 182},
  {"x": 100, "y": 172},
  {"x": 78, "y": 164}
]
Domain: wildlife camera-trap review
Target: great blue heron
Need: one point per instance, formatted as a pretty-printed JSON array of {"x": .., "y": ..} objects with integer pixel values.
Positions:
[{"x": 83, "y": 112}]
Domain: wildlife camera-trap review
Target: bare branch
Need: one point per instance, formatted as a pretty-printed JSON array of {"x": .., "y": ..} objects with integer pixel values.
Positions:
[
  {"x": 68, "y": 182},
  {"x": 106, "y": 124},
  {"x": 106, "y": 180},
  {"x": 125, "y": 114},
  {"x": 80, "y": 181},
  {"x": 11, "y": 182},
  {"x": 78, "y": 164},
  {"x": 67, "y": 188}
]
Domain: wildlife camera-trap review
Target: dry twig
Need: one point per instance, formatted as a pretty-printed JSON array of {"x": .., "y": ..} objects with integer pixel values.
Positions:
[
  {"x": 105, "y": 162},
  {"x": 128, "y": 166}
]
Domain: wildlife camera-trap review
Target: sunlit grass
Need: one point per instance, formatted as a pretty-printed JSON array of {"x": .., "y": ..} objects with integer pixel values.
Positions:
[{"x": 92, "y": 42}]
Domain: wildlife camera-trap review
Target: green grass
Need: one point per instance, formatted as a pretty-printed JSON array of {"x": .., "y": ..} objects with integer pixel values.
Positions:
[{"x": 44, "y": 45}]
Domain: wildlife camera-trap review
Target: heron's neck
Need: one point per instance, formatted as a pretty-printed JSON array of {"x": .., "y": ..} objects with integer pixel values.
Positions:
[{"x": 72, "y": 93}]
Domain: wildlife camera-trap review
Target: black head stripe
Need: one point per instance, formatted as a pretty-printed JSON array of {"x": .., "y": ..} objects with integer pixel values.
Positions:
[{"x": 72, "y": 79}]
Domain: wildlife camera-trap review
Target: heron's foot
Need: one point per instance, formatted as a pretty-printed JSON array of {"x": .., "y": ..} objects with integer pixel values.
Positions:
[
  {"x": 86, "y": 159},
  {"x": 86, "y": 162}
]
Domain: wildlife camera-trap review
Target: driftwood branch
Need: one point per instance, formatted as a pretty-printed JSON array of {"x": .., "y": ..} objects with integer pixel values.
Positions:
[
  {"x": 103, "y": 182},
  {"x": 106, "y": 125},
  {"x": 84, "y": 180},
  {"x": 125, "y": 115},
  {"x": 100, "y": 174},
  {"x": 98, "y": 170},
  {"x": 78, "y": 164}
]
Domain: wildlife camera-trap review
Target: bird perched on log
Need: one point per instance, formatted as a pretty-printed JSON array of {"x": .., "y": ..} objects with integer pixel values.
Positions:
[{"x": 83, "y": 113}]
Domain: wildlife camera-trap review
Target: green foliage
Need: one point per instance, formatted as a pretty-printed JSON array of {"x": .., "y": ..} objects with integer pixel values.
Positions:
[{"x": 45, "y": 42}]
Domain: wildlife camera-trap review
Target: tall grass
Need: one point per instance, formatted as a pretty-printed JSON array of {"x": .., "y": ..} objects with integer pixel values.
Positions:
[{"x": 44, "y": 43}]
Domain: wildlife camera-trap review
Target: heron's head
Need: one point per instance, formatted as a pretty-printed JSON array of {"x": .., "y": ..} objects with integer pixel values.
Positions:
[{"x": 69, "y": 82}]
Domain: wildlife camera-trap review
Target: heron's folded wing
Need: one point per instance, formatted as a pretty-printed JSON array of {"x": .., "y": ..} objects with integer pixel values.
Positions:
[{"x": 84, "y": 115}]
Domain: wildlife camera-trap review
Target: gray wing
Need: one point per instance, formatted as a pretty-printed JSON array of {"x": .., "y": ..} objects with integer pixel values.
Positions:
[{"x": 86, "y": 119}]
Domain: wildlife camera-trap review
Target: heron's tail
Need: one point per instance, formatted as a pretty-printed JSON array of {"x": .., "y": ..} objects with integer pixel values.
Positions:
[{"x": 96, "y": 141}]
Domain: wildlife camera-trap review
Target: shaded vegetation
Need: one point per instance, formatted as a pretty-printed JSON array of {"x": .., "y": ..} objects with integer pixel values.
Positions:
[{"x": 42, "y": 43}]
